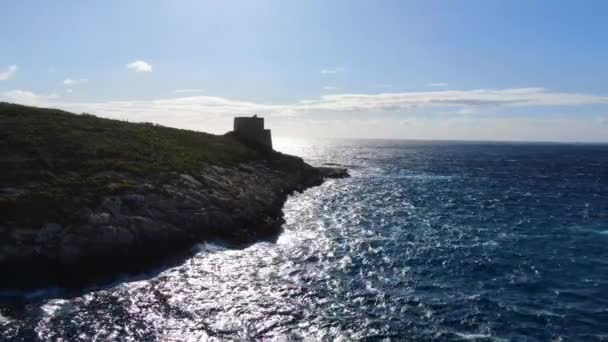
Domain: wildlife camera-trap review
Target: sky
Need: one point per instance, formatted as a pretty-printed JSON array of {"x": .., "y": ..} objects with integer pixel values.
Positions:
[{"x": 528, "y": 70}]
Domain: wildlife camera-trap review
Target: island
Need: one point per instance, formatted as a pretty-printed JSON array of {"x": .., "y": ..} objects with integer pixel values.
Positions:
[{"x": 84, "y": 199}]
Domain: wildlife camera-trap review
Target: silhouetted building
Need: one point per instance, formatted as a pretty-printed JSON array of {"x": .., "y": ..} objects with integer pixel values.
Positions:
[{"x": 251, "y": 130}]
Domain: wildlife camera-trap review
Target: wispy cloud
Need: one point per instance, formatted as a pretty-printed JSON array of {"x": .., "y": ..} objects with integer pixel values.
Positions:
[
  {"x": 140, "y": 66},
  {"x": 437, "y": 84},
  {"x": 73, "y": 82},
  {"x": 424, "y": 115},
  {"x": 329, "y": 88},
  {"x": 9, "y": 73},
  {"x": 332, "y": 71},
  {"x": 513, "y": 97},
  {"x": 186, "y": 91},
  {"x": 196, "y": 109}
]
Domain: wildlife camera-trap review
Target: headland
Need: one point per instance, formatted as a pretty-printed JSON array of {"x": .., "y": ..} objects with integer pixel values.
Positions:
[{"x": 84, "y": 198}]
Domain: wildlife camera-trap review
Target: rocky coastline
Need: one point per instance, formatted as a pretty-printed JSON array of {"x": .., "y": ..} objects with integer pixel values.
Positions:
[
  {"x": 157, "y": 217},
  {"x": 138, "y": 229}
]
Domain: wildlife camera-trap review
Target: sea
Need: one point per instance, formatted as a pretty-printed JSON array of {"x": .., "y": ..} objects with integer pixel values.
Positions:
[{"x": 427, "y": 241}]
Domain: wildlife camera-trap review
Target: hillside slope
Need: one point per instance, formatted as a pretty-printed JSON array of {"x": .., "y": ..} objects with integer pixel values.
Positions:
[{"x": 83, "y": 198}]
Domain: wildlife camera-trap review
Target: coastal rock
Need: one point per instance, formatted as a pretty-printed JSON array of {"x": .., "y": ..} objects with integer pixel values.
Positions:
[
  {"x": 190, "y": 181},
  {"x": 91, "y": 198},
  {"x": 99, "y": 218},
  {"x": 128, "y": 231},
  {"x": 111, "y": 205},
  {"x": 49, "y": 233},
  {"x": 333, "y": 172},
  {"x": 133, "y": 200}
]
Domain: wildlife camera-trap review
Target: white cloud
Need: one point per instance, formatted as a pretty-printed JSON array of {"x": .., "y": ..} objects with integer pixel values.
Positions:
[
  {"x": 329, "y": 88},
  {"x": 454, "y": 101},
  {"x": 437, "y": 84},
  {"x": 69, "y": 91},
  {"x": 27, "y": 97},
  {"x": 140, "y": 66},
  {"x": 185, "y": 91},
  {"x": 332, "y": 71},
  {"x": 511, "y": 97},
  {"x": 72, "y": 82},
  {"x": 9, "y": 73},
  {"x": 507, "y": 128},
  {"x": 212, "y": 113}
]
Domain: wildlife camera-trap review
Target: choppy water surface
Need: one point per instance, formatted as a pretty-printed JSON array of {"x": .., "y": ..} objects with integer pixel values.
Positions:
[{"x": 447, "y": 241}]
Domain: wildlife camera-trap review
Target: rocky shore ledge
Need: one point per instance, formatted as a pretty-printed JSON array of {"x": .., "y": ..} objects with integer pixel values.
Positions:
[{"x": 75, "y": 210}]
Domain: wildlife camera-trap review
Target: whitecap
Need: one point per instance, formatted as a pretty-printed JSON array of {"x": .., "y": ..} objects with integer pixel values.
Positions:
[
  {"x": 595, "y": 229},
  {"x": 4, "y": 319},
  {"x": 469, "y": 336},
  {"x": 427, "y": 177},
  {"x": 346, "y": 262},
  {"x": 209, "y": 247}
]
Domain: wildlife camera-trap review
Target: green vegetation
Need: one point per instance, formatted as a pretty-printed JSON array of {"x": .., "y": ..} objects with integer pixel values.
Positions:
[{"x": 54, "y": 159}]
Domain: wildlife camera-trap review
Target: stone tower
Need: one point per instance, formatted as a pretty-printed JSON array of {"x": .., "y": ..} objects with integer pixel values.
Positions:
[{"x": 251, "y": 130}]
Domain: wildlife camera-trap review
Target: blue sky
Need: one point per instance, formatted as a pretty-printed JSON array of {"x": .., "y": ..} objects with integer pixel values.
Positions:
[{"x": 492, "y": 70}]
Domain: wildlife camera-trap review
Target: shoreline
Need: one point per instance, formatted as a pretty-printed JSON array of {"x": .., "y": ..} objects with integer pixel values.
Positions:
[
  {"x": 137, "y": 231},
  {"x": 83, "y": 198}
]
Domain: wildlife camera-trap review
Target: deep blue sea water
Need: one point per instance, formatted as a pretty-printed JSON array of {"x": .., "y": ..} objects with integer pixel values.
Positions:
[{"x": 426, "y": 241}]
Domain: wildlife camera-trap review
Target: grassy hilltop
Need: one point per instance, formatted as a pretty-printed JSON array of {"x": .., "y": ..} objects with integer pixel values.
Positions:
[{"x": 51, "y": 159}]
